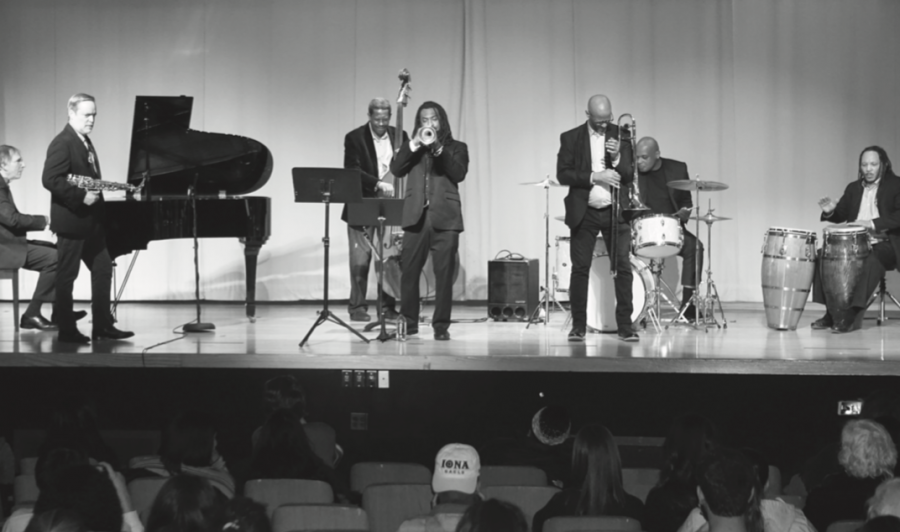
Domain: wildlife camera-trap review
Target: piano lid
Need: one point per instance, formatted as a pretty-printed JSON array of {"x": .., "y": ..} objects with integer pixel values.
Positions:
[{"x": 179, "y": 157}]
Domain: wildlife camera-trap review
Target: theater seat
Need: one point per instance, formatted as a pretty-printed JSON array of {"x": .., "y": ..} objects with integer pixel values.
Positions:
[
  {"x": 143, "y": 492},
  {"x": 639, "y": 481},
  {"x": 277, "y": 492},
  {"x": 590, "y": 524},
  {"x": 512, "y": 476},
  {"x": 25, "y": 490},
  {"x": 844, "y": 526},
  {"x": 365, "y": 473},
  {"x": 530, "y": 499},
  {"x": 389, "y": 505},
  {"x": 313, "y": 517}
]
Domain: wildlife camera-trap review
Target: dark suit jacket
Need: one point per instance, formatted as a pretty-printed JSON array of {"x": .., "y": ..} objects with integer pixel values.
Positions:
[
  {"x": 673, "y": 171},
  {"x": 69, "y": 216},
  {"x": 573, "y": 169},
  {"x": 13, "y": 226},
  {"x": 887, "y": 200},
  {"x": 359, "y": 154},
  {"x": 447, "y": 171}
]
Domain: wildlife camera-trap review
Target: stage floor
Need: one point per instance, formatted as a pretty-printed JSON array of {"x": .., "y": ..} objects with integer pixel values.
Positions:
[{"x": 745, "y": 346}]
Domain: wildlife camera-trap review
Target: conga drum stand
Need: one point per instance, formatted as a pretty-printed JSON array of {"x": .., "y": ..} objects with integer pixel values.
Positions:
[{"x": 881, "y": 294}]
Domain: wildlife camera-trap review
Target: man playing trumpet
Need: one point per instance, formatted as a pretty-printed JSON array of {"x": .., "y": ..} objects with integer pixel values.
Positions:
[
  {"x": 435, "y": 164},
  {"x": 872, "y": 202}
]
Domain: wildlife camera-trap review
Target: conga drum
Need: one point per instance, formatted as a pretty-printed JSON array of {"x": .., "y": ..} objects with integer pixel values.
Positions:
[
  {"x": 789, "y": 262},
  {"x": 844, "y": 252}
]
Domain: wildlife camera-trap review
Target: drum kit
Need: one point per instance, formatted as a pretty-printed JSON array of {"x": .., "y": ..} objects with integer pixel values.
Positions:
[{"x": 655, "y": 237}]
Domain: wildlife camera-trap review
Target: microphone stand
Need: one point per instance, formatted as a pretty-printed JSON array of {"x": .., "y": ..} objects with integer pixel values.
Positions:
[{"x": 197, "y": 326}]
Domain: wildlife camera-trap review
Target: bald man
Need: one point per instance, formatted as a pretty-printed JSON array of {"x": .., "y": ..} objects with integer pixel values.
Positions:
[
  {"x": 369, "y": 149},
  {"x": 592, "y": 164},
  {"x": 654, "y": 175}
]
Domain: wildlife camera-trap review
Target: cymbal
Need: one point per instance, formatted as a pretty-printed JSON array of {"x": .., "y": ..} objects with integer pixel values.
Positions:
[
  {"x": 696, "y": 184},
  {"x": 709, "y": 218},
  {"x": 560, "y": 218},
  {"x": 543, "y": 182}
]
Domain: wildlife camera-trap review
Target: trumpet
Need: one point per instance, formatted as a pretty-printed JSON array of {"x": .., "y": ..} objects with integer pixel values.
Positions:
[
  {"x": 633, "y": 197},
  {"x": 97, "y": 185},
  {"x": 427, "y": 135}
]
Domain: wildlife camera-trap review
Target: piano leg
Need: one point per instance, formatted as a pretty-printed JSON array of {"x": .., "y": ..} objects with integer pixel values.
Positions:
[{"x": 251, "y": 253}]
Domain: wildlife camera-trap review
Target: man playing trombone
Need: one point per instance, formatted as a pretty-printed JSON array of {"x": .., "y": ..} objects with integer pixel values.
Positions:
[{"x": 593, "y": 164}]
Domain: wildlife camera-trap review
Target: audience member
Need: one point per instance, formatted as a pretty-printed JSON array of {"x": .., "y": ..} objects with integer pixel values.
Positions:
[
  {"x": 776, "y": 515},
  {"x": 188, "y": 446},
  {"x": 547, "y": 445},
  {"x": 675, "y": 495},
  {"x": 245, "y": 515},
  {"x": 455, "y": 487},
  {"x": 882, "y": 523},
  {"x": 493, "y": 516},
  {"x": 186, "y": 503},
  {"x": 59, "y": 520},
  {"x": 727, "y": 488},
  {"x": 886, "y": 500},
  {"x": 73, "y": 425},
  {"x": 597, "y": 487},
  {"x": 283, "y": 451},
  {"x": 868, "y": 457}
]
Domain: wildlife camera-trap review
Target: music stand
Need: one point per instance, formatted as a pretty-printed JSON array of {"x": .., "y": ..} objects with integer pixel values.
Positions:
[
  {"x": 378, "y": 212},
  {"x": 327, "y": 185}
]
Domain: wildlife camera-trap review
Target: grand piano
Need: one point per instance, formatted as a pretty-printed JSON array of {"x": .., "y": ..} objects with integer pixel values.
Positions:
[{"x": 170, "y": 159}]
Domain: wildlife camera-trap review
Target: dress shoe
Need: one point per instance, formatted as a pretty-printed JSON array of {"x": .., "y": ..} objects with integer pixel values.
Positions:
[
  {"x": 37, "y": 322},
  {"x": 72, "y": 337},
  {"x": 360, "y": 315},
  {"x": 76, "y": 315},
  {"x": 110, "y": 333},
  {"x": 628, "y": 335},
  {"x": 576, "y": 335},
  {"x": 411, "y": 331},
  {"x": 442, "y": 335},
  {"x": 825, "y": 322},
  {"x": 390, "y": 314}
]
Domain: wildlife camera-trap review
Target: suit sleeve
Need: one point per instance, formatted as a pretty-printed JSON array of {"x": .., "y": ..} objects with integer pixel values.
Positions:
[
  {"x": 404, "y": 160},
  {"x": 892, "y": 219},
  {"x": 453, "y": 162},
  {"x": 352, "y": 162},
  {"x": 567, "y": 172},
  {"x": 56, "y": 167},
  {"x": 683, "y": 198},
  {"x": 625, "y": 168},
  {"x": 841, "y": 213},
  {"x": 11, "y": 217}
]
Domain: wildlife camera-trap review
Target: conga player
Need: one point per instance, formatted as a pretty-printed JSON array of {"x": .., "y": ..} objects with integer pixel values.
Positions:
[{"x": 872, "y": 202}]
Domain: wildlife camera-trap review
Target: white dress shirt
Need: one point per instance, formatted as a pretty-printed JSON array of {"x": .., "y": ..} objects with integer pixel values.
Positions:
[
  {"x": 383, "y": 152},
  {"x": 600, "y": 195}
]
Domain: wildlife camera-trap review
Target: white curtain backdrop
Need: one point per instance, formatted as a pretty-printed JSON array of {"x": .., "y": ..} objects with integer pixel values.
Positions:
[{"x": 773, "y": 97}]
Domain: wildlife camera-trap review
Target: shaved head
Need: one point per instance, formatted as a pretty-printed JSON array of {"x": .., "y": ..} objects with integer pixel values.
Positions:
[
  {"x": 646, "y": 154},
  {"x": 599, "y": 112}
]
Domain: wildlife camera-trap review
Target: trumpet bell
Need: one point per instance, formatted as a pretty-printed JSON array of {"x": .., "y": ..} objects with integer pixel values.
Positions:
[{"x": 427, "y": 135}]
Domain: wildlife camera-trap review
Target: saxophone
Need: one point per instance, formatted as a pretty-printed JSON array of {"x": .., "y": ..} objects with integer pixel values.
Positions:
[{"x": 97, "y": 185}]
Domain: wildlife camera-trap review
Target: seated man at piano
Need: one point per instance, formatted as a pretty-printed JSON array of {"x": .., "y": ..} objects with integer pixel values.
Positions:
[
  {"x": 872, "y": 201},
  {"x": 369, "y": 149},
  {"x": 78, "y": 217},
  {"x": 654, "y": 175}
]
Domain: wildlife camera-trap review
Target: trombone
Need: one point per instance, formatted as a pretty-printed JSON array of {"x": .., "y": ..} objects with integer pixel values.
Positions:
[{"x": 632, "y": 204}]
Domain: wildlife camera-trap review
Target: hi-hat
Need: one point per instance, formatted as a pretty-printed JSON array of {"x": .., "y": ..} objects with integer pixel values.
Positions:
[
  {"x": 542, "y": 183},
  {"x": 696, "y": 184},
  {"x": 709, "y": 218}
]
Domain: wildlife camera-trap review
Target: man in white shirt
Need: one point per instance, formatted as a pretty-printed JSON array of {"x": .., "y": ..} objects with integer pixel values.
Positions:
[
  {"x": 593, "y": 165},
  {"x": 872, "y": 201},
  {"x": 369, "y": 149}
]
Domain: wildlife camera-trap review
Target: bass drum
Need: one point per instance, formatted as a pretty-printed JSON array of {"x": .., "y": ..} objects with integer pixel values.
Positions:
[{"x": 601, "y": 303}]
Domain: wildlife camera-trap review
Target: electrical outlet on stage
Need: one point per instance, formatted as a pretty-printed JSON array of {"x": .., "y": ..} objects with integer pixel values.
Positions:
[
  {"x": 346, "y": 378},
  {"x": 359, "y": 380},
  {"x": 371, "y": 378},
  {"x": 359, "y": 421},
  {"x": 384, "y": 379}
]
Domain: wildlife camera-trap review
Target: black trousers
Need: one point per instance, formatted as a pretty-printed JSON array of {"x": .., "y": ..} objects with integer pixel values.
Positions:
[
  {"x": 881, "y": 259},
  {"x": 418, "y": 241},
  {"x": 360, "y": 257},
  {"x": 583, "y": 240},
  {"x": 41, "y": 259},
  {"x": 70, "y": 253},
  {"x": 692, "y": 259}
]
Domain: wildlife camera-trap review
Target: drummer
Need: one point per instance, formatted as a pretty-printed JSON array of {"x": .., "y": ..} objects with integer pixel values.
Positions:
[
  {"x": 654, "y": 175},
  {"x": 873, "y": 202}
]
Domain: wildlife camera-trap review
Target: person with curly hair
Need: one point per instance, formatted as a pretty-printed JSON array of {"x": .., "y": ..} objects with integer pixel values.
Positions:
[{"x": 868, "y": 456}]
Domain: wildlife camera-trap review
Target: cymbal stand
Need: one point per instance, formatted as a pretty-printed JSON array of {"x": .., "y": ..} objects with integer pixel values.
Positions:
[
  {"x": 653, "y": 310},
  {"x": 696, "y": 300},
  {"x": 712, "y": 294},
  {"x": 547, "y": 293}
]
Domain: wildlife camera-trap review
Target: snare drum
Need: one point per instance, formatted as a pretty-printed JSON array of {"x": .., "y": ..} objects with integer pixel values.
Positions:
[
  {"x": 656, "y": 236},
  {"x": 789, "y": 262},
  {"x": 844, "y": 252}
]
